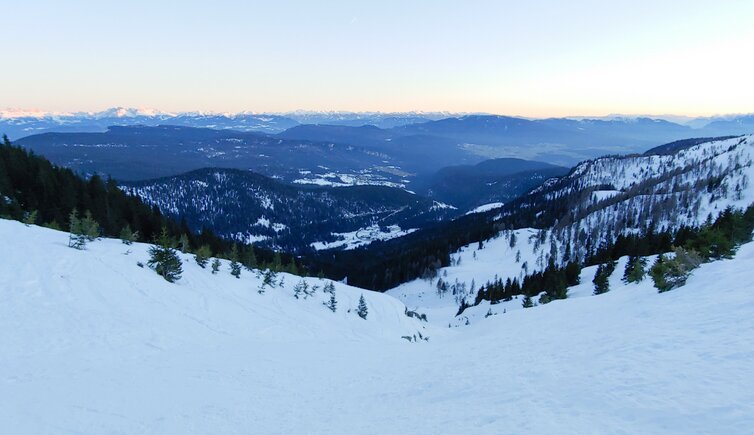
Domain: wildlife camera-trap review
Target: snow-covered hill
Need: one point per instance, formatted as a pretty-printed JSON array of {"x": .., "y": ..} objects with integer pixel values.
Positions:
[
  {"x": 92, "y": 343},
  {"x": 602, "y": 199}
]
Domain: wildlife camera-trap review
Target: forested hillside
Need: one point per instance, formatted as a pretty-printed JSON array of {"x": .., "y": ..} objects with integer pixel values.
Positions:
[
  {"x": 36, "y": 191},
  {"x": 249, "y": 207},
  {"x": 595, "y": 203}
]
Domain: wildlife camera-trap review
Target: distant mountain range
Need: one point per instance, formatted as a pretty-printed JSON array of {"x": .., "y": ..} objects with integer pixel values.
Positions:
[
  {"x": 483, "y": 128},
  {"x": 338, "y": 153},
  {"x": 20, "y": 123}
]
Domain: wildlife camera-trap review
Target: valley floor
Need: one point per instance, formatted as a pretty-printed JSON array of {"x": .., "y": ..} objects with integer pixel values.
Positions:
[{"x": 91, "y": 343}]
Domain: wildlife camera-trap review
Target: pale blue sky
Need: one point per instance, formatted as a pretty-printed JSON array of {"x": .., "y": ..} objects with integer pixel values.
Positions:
[{"x": 534, "y": 58}]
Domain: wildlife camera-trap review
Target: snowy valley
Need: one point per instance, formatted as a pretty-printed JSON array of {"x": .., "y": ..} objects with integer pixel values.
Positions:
[{"x": 94, "y": 343}]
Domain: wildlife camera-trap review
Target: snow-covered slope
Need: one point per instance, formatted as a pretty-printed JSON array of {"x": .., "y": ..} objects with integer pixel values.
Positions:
[
  {"x": 92, "y": 343},
  {"x": 603, "y": 198}
]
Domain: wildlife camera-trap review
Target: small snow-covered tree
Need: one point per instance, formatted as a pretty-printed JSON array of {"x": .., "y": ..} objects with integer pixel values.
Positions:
[
  {"x": 332, "y": 303},
  {"x": 235, "y": 266},
  {"x": 362, "y": 310},
  {"x": 164, "y": 259},
  {"x": 300, "y": 289},
  {"x": 268, "y": 280},
  {"x": 215, "y": 266}
]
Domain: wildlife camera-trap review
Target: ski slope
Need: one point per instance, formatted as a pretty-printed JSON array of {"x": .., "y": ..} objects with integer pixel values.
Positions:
[{"x": 92, "y": 343}]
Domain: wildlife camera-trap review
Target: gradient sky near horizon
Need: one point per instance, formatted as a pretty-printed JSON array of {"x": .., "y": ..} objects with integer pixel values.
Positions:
[{"x": 536, "y": 58}]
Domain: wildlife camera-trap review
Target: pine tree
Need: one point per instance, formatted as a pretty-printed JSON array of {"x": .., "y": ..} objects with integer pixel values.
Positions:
[
  {"x": 268, "y": 280},
  {"x": 215, "y": 266},
  {"x": 362, "y": 310},
  {"x": 235, "y": 267},
  {"x": 329, "y": 288},
  {"x": 202, "y": 256},
  {"x": 163, "y": 258},
  {"x": 30, "y": 218},
  {"x": 635, "y": 270},
  {"x": 76, "y": 238},
  {"x": 602, "y": 277},
  {"x": 668, "y": 274},
  {"x": 300, "y": 289},
  {"x": 127, "y": 236},
  {"x": 331, "y": 303},
  {"x": 89, "y": 227},
  {"x": 527, "y": 302}
]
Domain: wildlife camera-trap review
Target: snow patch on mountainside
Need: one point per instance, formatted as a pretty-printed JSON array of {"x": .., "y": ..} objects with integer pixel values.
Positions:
[
  {"x": 486, "y": 207},
  {"x": 362, "y": 237}
]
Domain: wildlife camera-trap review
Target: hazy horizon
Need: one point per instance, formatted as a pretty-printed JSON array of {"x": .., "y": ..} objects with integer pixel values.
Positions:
[
  {"x": 11, "y": 112},
  {"x": 543, "y": 59}
]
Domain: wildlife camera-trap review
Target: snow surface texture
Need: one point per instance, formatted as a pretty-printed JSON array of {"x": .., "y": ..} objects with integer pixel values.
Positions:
[{"x": 94, "y": 344}]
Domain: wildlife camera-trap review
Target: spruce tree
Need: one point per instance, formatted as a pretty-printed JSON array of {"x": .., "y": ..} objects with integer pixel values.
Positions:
[
  {"x": 215, "y": 266},
  {"x": 202, "y": 256},
  {"x": 527, "y": 302},
  {"x": 76, "y": 238},
  {"x": 127, "y": 236},
  {"x": 668, "y": 274},
  {"x": 235, "y": 267},
  {"x": 268, "y": 280},
  {"x": 657, "y": 273},
  {"x": 89, "y": 227},
  {"x": 362, "y": 309},
  {"x": 332, "y": 304},
  {"x": 30, "y": 218},
  {"x": 635, "y": 270},
  {"x": 300, "y": 289},
  {"x": 163, "y": 258},
  {"x": 602, "y": 277}
]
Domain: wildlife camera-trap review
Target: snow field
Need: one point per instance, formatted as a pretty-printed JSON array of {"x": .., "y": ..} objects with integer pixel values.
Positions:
[{"x": 94, "y": 344}]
